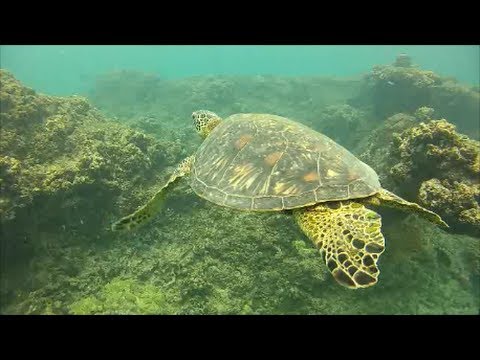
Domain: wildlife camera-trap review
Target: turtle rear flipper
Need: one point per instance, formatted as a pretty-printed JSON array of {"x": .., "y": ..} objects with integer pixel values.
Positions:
[
  {"x": 349, "y": 236},
  {"x": 147, "y": 211},
  {"x": 387, "y": 198}
]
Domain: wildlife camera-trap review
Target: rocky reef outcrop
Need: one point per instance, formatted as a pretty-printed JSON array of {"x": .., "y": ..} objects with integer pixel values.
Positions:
[
  {"x": 67, "y": 171},
  {"x": 64, "y": 167},
  {"x": 428, "y": 161},
  {"x": 404, "y": 87}
]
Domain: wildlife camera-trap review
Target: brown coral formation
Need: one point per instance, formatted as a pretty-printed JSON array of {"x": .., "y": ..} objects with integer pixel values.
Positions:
[
  {"x": 457, "y": 200},
  {"x": 428, "y": 161},
  {"x": 442, "y": 168}
]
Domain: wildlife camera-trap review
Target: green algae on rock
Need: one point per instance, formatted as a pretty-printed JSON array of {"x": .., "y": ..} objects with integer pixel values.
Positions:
[
  {"x": 199, "y": 263},
  {"x": 64, "y": 167},
  {"x": 424, "y": 113},
  {"x": 390, "y": 89},
  {"x": 195, "y": 256},
  {"x": 174, "y": 100},
  {"x": 457, "y": 200},
  {"x": 124, "y": 296},
  {"x": 430, "y": 161},
  {"x": 376, "y": 148},
  {"x": 60, "y": 146},
  {"x": 344, "y": 124}
]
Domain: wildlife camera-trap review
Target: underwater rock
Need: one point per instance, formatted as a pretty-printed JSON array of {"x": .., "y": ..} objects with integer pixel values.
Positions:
[
  {"x": 181, "y": 139},
  {"x": 424, "y": 114},
  {"x": 65, "y": 166},
  {"x": 173, "y": 101},
  {"x": 403, "y": 60},
  {"x": 344, "y": 124},
  {"x": 457, "y": 202},
  {"x": 435, "y": 148},
  {"x": 390, "y": 89},
  {"x": 204, "y": 259},
  {"x": 429, "y": 162},
  {"x": 460, "y": 104},
  {"x": 415, "y": 246},
  {"x": 445, "y": 168},
  {"x": 197, "y": 261},
  {"x": 400, "y": 89},
  {"x": 375, "y": 149}
]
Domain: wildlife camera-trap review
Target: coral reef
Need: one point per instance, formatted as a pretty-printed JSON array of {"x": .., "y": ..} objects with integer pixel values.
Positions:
[
  {"x": 376, "y": 148},
  {"x": 344, "y": 124},
  {"x": 173, "y": 101},
  {"x": 424, "y": 113},
  {"x": 460, "y": 104},
  {"x": 401, "y": 87},
  {"x": 67, "y": 171},
  {"x": 403, "y": 60},
  {"x": 429, "y": 162},
  {"x": 65, "y": 167}
]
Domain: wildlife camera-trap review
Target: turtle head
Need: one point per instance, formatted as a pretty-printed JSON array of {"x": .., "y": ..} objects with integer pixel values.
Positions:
[{"x": 205, "y": 121}]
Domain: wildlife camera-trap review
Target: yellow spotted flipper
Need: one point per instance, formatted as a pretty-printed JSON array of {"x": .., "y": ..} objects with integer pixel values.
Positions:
[
  {"x": 151, "y": 208},
  {"x": 349, "y": 237}
]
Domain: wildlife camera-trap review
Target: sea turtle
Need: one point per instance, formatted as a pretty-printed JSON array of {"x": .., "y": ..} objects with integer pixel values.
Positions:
[{"x": 264, "y": 162}]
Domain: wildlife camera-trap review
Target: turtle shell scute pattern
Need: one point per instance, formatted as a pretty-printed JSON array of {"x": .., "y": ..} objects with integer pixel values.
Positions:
[{"x": 267, "y": 162}]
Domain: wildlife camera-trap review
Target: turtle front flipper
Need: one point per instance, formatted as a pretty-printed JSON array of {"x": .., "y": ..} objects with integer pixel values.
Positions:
[
  {"x": 349, "y": 237},
  {"x": 147, "y": 211},
  {"x": 387, "y": 198}
]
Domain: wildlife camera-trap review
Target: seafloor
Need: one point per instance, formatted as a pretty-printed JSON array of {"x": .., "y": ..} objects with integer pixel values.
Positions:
[{"x": 69, "y": 166}]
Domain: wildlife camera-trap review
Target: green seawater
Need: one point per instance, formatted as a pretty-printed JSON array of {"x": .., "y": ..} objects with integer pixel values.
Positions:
[{"x": 90, "y": 133}]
